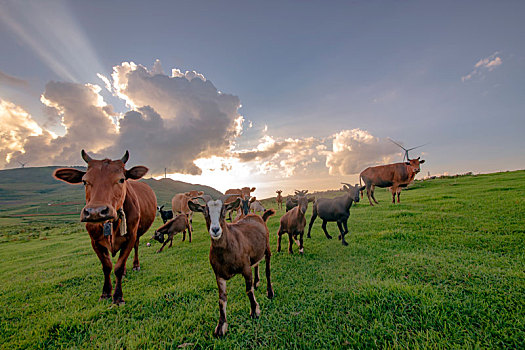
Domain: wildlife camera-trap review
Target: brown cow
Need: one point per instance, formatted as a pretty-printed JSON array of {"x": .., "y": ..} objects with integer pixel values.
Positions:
[
  {"x": 179, "y": 205},
  {"x": 117, "y": 212},
  {"x": 236, "y": 248},
  {"x": 243, "y": 193},
  {"x": 279, "y": 199},
  {"x": 390, "y": 175}
]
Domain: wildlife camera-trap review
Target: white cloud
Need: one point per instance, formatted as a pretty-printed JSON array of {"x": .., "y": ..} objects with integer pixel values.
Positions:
[
  {"x": 483, "y": 65},
  {"x": 356, "y": 149}
]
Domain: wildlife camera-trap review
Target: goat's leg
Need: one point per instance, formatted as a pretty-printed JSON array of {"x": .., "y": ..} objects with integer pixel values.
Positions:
[
  {"x": 343, "y": 232},
  {"x": 256, "y": 278},
  {"x": 161, "y": 248},
  {"x": 314, "y": 216},
  {"x": 255, "y": 311},
  {"x": 269, "y": 289},
  {"x": 324, "y": 229},
  {"x": 222, "y": 326},
  {"x": 189, "y": 232},
  {"x": 301, "y": 248},
  {"x": 170, "y": 238},
  {"x": 290, "y": 242}
]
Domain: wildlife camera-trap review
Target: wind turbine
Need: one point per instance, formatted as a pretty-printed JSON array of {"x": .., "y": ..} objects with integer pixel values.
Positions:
[
  {"x": 405, "y": 156},
  {"x": 22, "y": 164}
]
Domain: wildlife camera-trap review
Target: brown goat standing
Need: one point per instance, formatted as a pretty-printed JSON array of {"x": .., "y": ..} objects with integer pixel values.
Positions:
[
  {"x": 236, "y": 248},
  {"x": 178, "y": 224},
  {"x": 279, "y": 199},
  {"x": 293, "y": 222}
]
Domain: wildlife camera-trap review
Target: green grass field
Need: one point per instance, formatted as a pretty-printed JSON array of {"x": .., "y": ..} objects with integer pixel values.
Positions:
[{"x": 444, "y": 269}]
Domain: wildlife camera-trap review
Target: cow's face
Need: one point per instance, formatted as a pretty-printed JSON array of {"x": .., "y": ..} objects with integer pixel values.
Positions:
[
  {"x": 105, "y": 186},
  {"x": 414, "y": 164}
]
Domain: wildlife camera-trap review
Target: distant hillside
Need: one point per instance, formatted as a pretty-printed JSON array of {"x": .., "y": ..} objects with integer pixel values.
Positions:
[{"x": 34, "y": 192}]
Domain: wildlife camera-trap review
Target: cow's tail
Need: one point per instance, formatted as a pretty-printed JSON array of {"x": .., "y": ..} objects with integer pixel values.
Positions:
[
  {"x": 360, "y": 186},
  {"x": 267, "y": 214}
]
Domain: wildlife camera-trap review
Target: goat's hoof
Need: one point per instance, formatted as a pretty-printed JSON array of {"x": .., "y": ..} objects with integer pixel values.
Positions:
[
  {"x": 159, "y": 251},
  {"x": 329, "y": 237},
  {"x": 220, "y": 330},
  {"x": 344, "y": 243},
  {"x": 105, "y": 296},
  {"x": 301, "y": 251},
  {"x": 270, "y": 294},
  {"x": 256, "y": 313},
  {"x": 136, "y": 268},
  {"x": 118, "y": 301},
  {"x": 308, "y": 236}
]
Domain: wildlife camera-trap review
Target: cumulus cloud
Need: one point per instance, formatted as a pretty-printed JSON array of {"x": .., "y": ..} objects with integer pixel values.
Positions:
[
  {"x": 483, "y": 65},
  {"x": 356, "y": 149},
  {"x": 172, "y": 121}
]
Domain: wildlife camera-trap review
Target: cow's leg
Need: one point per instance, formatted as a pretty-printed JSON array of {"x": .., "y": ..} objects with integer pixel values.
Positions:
[
  {"x": 136, "y": 263},
  {"x": 398, "y": 193},
  {"x": 120, "y": 268},
  {"x": 372, "y": 193},
  {"x": 256, "y": 278},
  {"x": 255, "y": 311},
  {"x": 393, "y": 190},
  {"x": 279, "y": 236},
  {"x": 368, "y": 194},
  {"x": 269, "y": 289},
  {"x": 107, "y": 265},
  {"x": 324, "y": 229},
  {"x": 222, "y": 326}
]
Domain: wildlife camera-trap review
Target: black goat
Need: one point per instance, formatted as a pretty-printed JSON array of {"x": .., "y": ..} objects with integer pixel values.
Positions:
[
  {"x": 165, "y": 214},
  {"x": 336, "y": 209}
]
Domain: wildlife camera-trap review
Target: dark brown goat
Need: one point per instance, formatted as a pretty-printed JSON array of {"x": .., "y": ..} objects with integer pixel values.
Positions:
[
  {"x": 235, "y": 248},
  {"x": 293, "y": 222},
  {"x": 178, "y": 224}
]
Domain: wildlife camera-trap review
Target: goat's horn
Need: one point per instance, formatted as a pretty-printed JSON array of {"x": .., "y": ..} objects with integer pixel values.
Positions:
[
  {"x": 205, "y": 197},
  {"x": 125, "y": 158},
  {"x": 86, "y": 157}
]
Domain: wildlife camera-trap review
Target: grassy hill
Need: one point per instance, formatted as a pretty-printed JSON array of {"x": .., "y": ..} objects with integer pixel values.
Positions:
[
  {"x": 443, "y": 269},
  {"x": 32, "y": 194}
]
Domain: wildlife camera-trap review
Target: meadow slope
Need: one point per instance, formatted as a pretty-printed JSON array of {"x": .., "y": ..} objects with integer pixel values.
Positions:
[{"x": 443, "y": 269}]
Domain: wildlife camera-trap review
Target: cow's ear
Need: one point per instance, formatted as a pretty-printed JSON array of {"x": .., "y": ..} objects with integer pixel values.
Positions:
[
  {"x": 252, "y": 189},
  {"x": 421, "y": 161},
  {"x": 195, "y": 207},
  {"x": 70, "y": 175},
  {"x": 407, "y": 163},
  {"x": 136, "y": 172}
]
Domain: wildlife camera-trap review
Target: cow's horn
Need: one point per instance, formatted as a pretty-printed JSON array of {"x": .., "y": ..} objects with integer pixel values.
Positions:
[
  {"x": 125, "y": 158},
  {"x": 86, "y": 157}
]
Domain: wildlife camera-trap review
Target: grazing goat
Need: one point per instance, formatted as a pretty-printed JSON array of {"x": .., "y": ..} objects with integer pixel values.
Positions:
[
  {"x": 179, "y": 224},
  {"x": 234, "y": 193},
  {"x": 279, "y": 199},
  {"x": 165, "y": 214},
  {"x": 256, "y": 206},
  {"x": 336, "y": 209},
  {"x": 293, "y": 222},
  {"x": 179, "y": 203},
  {"x": 235, "y": 248}
]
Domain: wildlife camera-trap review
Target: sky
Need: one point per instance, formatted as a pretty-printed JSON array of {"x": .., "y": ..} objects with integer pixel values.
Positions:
[{"x": 287, "y": 95}]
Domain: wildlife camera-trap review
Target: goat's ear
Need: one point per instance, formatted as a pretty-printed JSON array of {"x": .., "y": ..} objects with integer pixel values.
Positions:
[
  {"x": 421, "y": 161},
  {"x": 69, "y": 175},
  {"x": 252, "y": 189},
  {"x": 362, "y": 188},
  {"x": 252, "y": 199},
  {"x": 160, "y": 208},
  {"x": 136, "y": 172},
  {"x": 195, "y": 207},
  {"x": 233, "y": 204},
  {"x": 200, "y": 193}
]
